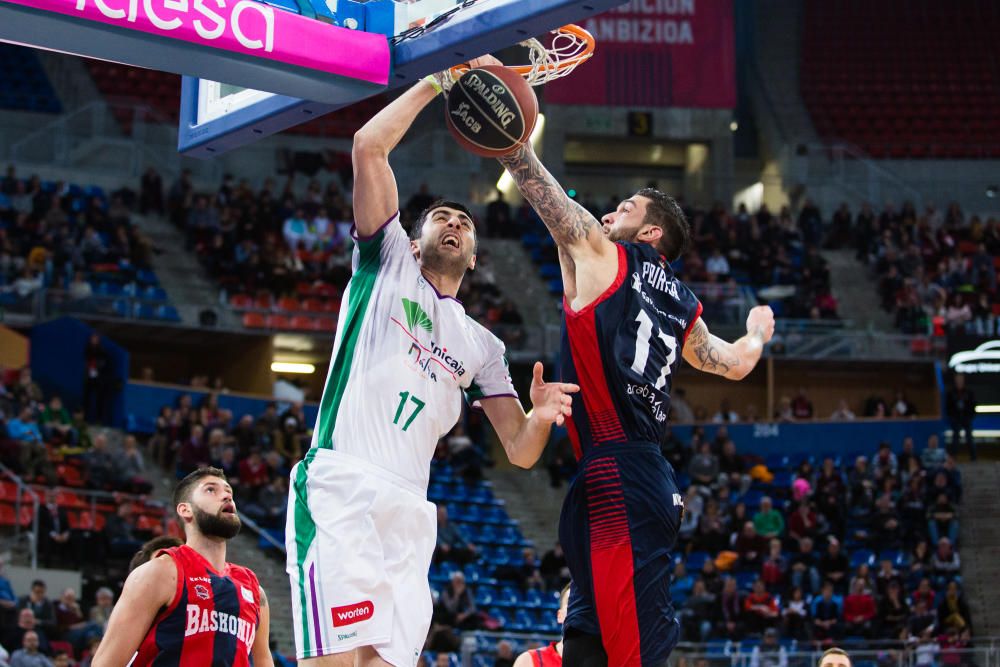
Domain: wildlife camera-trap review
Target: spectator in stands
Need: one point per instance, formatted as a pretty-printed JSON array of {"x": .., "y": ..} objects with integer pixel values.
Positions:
[
  {"x": 768, "y": 521},
  {"x": 71, "y": 624},
  {"x": 725, "y": 415},
  {"x": 769, "y": 653},
  {"x": 458, "y": 603},
  {"x": 942, "y": 520},
  {"x": 775, "y": 566},
  {"x": 893, "y": 612},
  {"x": 922, "y": 619},
  {"x": 945, "y": 562},
  {"x": 119, "y": 530},
  {"x": 802, "y": 407},
  {"x": 843, "y": 412},
  {"x": 704, "y": 467},
  {"x": 254, "y": 475},
  {"x": 104, "y": 603},
  {"x": 826, "y": 615},
  {"x": 859, "y": 611},
  {"x": 732, "y": 467},
  {"x": 953, "y": 478},
  {"x": 833, "y": 564},
  {"x": 960, "y": 408},
  {"x": 861, "y": 486},
  {"x": 193, "y": 452},
  {"x": 132, "y": 467},
  {"x": 887, "y": 532},
  {"x": 553, "y": 568},
  {"x": 151, "y": 193},
  {"x": 886, "y": 575},
  {"x": 271, "y": 505},
  {"x": 694, "y": 505},
  {"x": 731, "y": 602},
  {"x": 750, "y": 546},
  {"x": 101, "y": 465},
  {"x": 29, "y": 654},
  {"x": 680, "y": 410},
  {"x": 933, "y": 456},
  {"x": 804, "y": 522},
  {"x": 32, "y": 453},
  {"x": 795, "y": 616},
  {"x": 901, "y": 406},
  {"x": 98, "y": 377},
  {"x": 953, "y": 612},
  {"x": 57, "y": 424},
  {"x": 42, "y": 609},
  {"x": 53, "y": 529},
  {"x": 452, "y": 545},
  {"x": 26, "y": 622},
  {"x": 804, "y": 571},
  {"x": 712, "y": 534}
]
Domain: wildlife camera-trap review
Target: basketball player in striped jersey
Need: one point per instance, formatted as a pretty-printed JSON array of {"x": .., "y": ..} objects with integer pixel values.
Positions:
[
  {"x": 628, "y": 323},
  {"x": 188, "y": 607},
  {"x": 360, "y": 532},
  {"x": 551, "y": 655}
]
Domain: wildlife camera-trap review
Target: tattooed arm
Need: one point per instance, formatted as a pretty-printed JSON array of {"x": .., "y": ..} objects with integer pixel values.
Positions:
[
  {"x": 733, "y": 361},
  {"x": 578, "y": 235},
  {"x": 572, "y": 226}
]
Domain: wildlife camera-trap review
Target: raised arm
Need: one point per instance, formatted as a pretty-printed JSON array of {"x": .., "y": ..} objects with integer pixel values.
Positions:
[
  {"x": 375, "y": 194},
  {"x": 148, "y": 589},
  {"x": 733, "y": 361},
  {"x": 572, "y": 226}
]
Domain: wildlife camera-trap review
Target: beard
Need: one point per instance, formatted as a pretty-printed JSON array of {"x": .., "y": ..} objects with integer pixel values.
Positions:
[
  {"x": 221, "y": 525},
  {"x": 435, "y": 259}
]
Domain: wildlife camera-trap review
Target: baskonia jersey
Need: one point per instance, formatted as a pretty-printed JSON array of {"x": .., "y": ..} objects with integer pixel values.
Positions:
[
  {"x": 546, "y": 657},
  {"x": 211, "y": 621},
  {"x": 402, "y": 357},
  {"x": 623, "y": 349}
]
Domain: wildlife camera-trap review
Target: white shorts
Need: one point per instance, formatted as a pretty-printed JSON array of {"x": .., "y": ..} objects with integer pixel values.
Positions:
[{"x": 359, "y": 542}]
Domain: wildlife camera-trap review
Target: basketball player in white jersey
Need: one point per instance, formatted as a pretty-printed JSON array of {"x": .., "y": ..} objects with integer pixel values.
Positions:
[{"x": 360, "y": 531}]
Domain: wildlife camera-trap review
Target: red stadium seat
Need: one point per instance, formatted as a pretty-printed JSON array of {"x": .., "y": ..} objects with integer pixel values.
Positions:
[
  {"x": 264, "y": 301},
  {"x": 7, "y": 515},
  {"x": 288, "y": 304},
  {"x": 69, "y": 499},
  {"x": 241, "y": 301},
  {"x": 254, "y": 321},
  {"x": 313, "y": 305},
  {"x": 70, "y": 476},
  {"x": 278, "y": 322},
  {"x": 8, "y": 491},
  {"x": 301, "y": 323},
  {"x": 325, "y": 324}
]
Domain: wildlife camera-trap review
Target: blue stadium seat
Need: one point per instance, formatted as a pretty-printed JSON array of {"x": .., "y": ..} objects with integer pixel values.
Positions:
[
  {"x": 862, "y": 556},
  {"x": 695, "y": 561},
  {"x": 744, "y": 580}
]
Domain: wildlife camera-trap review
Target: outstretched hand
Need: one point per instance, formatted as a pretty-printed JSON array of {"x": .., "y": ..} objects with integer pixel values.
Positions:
[
  {"x": 761, "y": 320},
  {"x": 551, "y": 401}
]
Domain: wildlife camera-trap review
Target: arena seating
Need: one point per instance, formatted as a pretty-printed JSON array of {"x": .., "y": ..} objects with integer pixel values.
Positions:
[
  {"x": 160, "y": 91},
  {"x": 24, "y": 86},
  {"x": 904, "y": 79}
]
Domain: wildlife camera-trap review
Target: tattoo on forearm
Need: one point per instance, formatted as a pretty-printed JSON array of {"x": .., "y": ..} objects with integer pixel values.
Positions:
[
  {"x": 566, "y": 220},
  {"x": 709, "y": 357}
]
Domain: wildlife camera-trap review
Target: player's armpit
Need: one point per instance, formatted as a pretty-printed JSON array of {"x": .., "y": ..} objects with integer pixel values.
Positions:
[
  {"x": 711, "y": 354},
  {"x": 261, "y": 649},
  {"x": 524, "y": 660},
  {"x": 571, "y": 225},
  {"x": 147, "y": 590}
]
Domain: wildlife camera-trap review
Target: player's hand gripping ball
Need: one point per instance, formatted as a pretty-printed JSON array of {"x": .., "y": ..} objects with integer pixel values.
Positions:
[{"x": 491, "y": 110}]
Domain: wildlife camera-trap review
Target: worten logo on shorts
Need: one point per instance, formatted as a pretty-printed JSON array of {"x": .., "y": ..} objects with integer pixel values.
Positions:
[{"x": 352, "y": 613}]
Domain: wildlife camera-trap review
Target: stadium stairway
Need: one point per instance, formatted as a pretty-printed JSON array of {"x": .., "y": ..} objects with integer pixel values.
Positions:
[
  {"x": 70, "y": 79},
  {"x": 857, "y": 298},
  {"x": 980, "y": 544},
  {"x": 187, "y": 284},
  {"x": 531, "y": 501},
  {"x": 518, "y": 278}
]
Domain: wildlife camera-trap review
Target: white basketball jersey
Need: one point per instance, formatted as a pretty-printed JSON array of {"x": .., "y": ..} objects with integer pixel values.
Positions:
[{"x": 402, "y": 357}]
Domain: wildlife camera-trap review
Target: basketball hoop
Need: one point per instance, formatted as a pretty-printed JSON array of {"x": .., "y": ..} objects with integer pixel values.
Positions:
[{"x": 571, "y": 45}]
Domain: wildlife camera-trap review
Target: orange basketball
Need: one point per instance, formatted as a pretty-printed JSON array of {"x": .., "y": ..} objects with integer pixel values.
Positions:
[{"x": 491, "y": 110}]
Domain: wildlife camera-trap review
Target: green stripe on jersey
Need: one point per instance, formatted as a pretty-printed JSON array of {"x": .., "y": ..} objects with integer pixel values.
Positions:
[{"x": 359, "y": 295}]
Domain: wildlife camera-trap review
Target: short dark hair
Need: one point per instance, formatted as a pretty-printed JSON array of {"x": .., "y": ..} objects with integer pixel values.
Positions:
[
  {"x": 182, "y": 493},
  {"x": 664, "y": 212},
  {"x": 418, "y": 226},
  {"x": 834, "y": 651},
  {"x": 149, "y": 549}
]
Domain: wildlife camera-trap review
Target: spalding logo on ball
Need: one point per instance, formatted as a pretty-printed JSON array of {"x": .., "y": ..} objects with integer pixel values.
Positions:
[{"x": 491, "y": 110}]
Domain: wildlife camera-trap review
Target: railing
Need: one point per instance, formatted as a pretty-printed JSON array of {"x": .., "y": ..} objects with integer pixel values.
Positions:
[
  {"x": 982, "y": 652},
  {"x": 255, "y": 527},
  {"x": 22, "y": 491}
]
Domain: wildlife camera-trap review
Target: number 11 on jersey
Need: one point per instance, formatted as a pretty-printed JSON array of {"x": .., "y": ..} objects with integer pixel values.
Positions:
[
  {"x": 643, "y": 336},
  {"x": 403, "y": 396}
]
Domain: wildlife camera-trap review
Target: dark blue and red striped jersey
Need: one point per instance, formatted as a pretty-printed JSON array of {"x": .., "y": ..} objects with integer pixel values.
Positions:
[
  {"x": 623, "y": 349},
  {"x": 211, "y": 621},
  {"x": 546, "y": 657}
]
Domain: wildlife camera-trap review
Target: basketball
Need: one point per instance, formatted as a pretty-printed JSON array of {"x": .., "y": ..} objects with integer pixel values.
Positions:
[{"x": 491, "y": 110}]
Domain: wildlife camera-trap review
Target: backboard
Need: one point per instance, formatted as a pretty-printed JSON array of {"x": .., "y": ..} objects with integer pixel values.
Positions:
[{"x": 422, "y": 37}]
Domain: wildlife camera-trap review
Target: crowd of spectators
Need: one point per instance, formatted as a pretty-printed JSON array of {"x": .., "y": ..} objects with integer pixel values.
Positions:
[
  {"x": 867, "y": 550},
  {"x": 54, "y": 234},
  {"x": 281, "y": 238},
  {"x": 936, "y": 270}
]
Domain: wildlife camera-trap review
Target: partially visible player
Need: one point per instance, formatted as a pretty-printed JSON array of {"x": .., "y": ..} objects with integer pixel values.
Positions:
[
  {"x": 152, "y": 548},
  {"x": 629, "y": 321},
  {"x": 551, "y": 655},
  {"x": 188, "y": 607},
  {"x": 360, "y": 532},
  {"x": 834, "y": 657}
]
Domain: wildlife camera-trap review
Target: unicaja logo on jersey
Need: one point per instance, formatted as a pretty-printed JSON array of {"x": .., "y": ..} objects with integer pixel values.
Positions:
[
  {"x": 352, "y": 613},
  {"x": 416, "y": 317}
]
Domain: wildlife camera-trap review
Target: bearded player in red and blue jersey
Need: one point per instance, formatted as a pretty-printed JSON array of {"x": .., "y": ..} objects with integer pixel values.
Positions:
[
  {"x": 188, "y": 607},
  {"x": 628, "y": 322}
]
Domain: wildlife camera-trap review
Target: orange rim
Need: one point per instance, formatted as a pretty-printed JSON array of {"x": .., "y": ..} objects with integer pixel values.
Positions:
[{"x": 576, "y": 31}]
